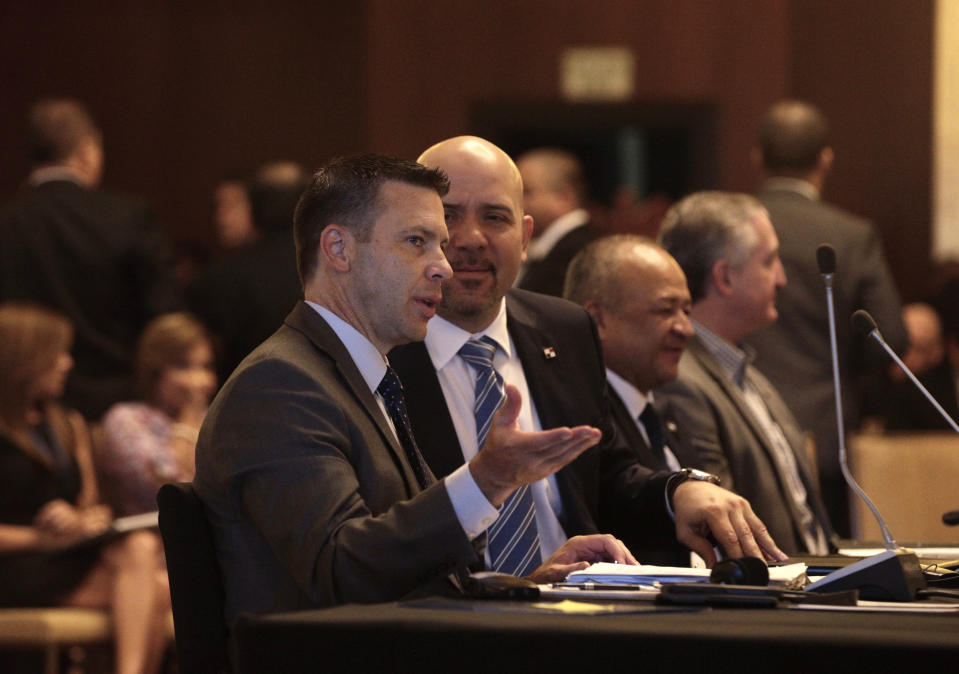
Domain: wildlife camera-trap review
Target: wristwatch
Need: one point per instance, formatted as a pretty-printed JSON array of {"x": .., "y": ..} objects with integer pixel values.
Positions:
[{"x": 685, "y": 474}]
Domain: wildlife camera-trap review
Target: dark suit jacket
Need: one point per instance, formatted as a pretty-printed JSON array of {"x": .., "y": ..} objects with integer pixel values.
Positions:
[
  {"x": 311, "y": 499},
  {"x": 664, "y": 553},
  {"x": 549, "y": 274},
  {"x": 794, "y": 352},
  {"x": 99, "y": 259},
  {"x": 731, "y": 443},
  {"x": 902, "y": 407},
  {"x": 243, "y": 297},
  {"x": 605, "y": 489}
]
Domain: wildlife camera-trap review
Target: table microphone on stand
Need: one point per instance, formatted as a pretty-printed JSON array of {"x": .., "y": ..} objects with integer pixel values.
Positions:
[{"x": 895, "y": 573}]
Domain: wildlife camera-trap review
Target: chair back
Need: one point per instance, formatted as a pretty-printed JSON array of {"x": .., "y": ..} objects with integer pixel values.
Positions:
[{"x": 196, "y": 587}]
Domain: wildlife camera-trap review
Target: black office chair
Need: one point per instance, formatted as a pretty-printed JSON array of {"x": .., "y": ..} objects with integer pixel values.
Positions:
[{"x": 196, "y": 587}]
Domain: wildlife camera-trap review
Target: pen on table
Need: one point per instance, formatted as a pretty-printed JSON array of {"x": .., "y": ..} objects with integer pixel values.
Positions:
[{"x": 599, "y": 586}]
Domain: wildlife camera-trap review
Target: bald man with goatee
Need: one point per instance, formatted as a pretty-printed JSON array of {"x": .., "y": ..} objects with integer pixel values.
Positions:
[{"x": 546, "y": 348}]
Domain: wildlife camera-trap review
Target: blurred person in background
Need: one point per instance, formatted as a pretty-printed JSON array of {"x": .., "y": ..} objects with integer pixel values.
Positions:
[
  {"x": 151, "y": 441},
  {"x": 243, "y": 297},
  {"x": 50, "y": 520},
  {"x": 99, "y": 258},
  {"x": 233, "y": 223},
  {"x": 554, "y": 195}
]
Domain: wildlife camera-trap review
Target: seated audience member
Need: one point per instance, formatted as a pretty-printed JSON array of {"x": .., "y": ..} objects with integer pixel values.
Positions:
[
  {"x": 733, "y": 416},
  {"x": 637, "y": 296},
  {"x": 315, "y": 487},
  {"x": 49, "y": 514},
  {"x": 147, "y": 443},
  {"x": 546, "y": 347},
  {"x": 894, "y": 400}
]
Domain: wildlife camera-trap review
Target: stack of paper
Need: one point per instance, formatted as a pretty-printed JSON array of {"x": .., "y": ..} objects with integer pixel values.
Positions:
[{"x": 644, "y": 574}]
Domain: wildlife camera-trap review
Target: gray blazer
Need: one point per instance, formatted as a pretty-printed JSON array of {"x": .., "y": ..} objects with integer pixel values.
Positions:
[
  {"x": 794, "y": 351},
  {"x": 717, "y": 422},
  {"x": 310, "y": 496}
]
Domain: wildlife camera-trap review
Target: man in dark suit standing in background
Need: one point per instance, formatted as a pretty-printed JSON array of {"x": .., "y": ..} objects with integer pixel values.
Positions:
[
  {"x": 554, "y": 193},
  {"x": 313, "y": 481},
  {"x": 547, "y": 347},
  {"x": 96, "y": 257},
  {"x": 736, "y": 421},
  {"x": 794, "y": 352}
]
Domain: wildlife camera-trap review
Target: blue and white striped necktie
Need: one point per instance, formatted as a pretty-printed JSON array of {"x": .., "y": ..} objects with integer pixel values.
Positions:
[{"x": 513, "y": 539}]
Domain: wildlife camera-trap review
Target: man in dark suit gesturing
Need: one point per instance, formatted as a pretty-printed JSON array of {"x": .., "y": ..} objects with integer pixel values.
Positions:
[
  {"x": 96, "y": 257},
  {"x": 547, "y": 347},
  {"x": 313, "y": 482}
]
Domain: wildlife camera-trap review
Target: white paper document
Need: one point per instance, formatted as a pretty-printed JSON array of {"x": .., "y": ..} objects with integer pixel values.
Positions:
[{"x": 607, "y": 573}]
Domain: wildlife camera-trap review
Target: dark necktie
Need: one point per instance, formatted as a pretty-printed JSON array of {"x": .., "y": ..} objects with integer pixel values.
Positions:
[
  {"x": 391, "y": 390},
  {"x": 513, "y": 539},
  {"x": 654, "y": 431}
]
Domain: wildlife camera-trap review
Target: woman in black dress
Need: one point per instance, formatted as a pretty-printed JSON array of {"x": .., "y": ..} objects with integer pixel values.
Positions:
[{"x": 51, "y": 551}]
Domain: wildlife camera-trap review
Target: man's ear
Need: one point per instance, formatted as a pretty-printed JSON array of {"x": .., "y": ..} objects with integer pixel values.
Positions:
[
  {"x": 598, "y": 314},
  {"x": 527, "y": 224},
  {"x": 721, "y": 278},
  {"x": 337, "y": 248},
  {"x": 825, "y": 160}
]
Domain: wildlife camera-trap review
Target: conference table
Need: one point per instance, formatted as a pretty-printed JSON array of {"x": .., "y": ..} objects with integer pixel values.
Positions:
[{"x": 469, "y": 635}]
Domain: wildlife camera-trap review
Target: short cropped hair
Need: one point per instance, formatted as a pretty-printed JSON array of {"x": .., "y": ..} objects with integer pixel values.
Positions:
[
  {"x": 346, "y": 191},
  {"x": 593, "y": 275},
  {"x": 56, "y": 127},
  {"x": 792, "y": 135},
  {"x": 706, "y": 227}
]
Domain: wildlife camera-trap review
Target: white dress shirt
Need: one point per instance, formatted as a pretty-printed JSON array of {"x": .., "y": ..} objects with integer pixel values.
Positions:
[
  {"x": 474, "y": 511},
  {"x": 541, "y": 246},
  {"x": 635, "y": 402},
  {"x": 458, "y": 379}
]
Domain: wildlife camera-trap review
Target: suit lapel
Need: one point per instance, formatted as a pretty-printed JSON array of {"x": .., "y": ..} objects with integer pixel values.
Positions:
[
  {"x": 630, "y": 431},
  {"x": 429, "y": 415},
  {"x": 307, "y": 321},
  {"x": 543, "y": 367},
  {"x": 716, "y": 371}
]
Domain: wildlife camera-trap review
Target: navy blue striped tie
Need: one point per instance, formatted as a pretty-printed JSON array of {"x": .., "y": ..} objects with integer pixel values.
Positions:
[
  {"x": 513, "y": 539},
  {"x": 392, "y": 391}
]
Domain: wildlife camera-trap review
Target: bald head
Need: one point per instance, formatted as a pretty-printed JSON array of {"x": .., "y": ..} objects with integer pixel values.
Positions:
[
  {"x": 488, "y": 232},
  {"x": 637, "y": 295},
  {"x": 471, "y": 156}
]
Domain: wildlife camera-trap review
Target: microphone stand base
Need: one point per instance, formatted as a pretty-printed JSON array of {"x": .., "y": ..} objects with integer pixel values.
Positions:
[{"x": 893, "y": 575}]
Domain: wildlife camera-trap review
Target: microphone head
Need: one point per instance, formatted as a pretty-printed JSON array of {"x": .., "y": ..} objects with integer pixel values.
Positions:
[
  {"x": 826, "y": 259},
  {"x": 740, "y": 571},
  {"x": 863, "y": 323}
]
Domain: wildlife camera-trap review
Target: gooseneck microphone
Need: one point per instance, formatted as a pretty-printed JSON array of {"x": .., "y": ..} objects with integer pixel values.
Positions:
[
  {"x": 826, "y": 259},
  {"x": 864, "y": 324},
  {"x": 893, "y": 574}
]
